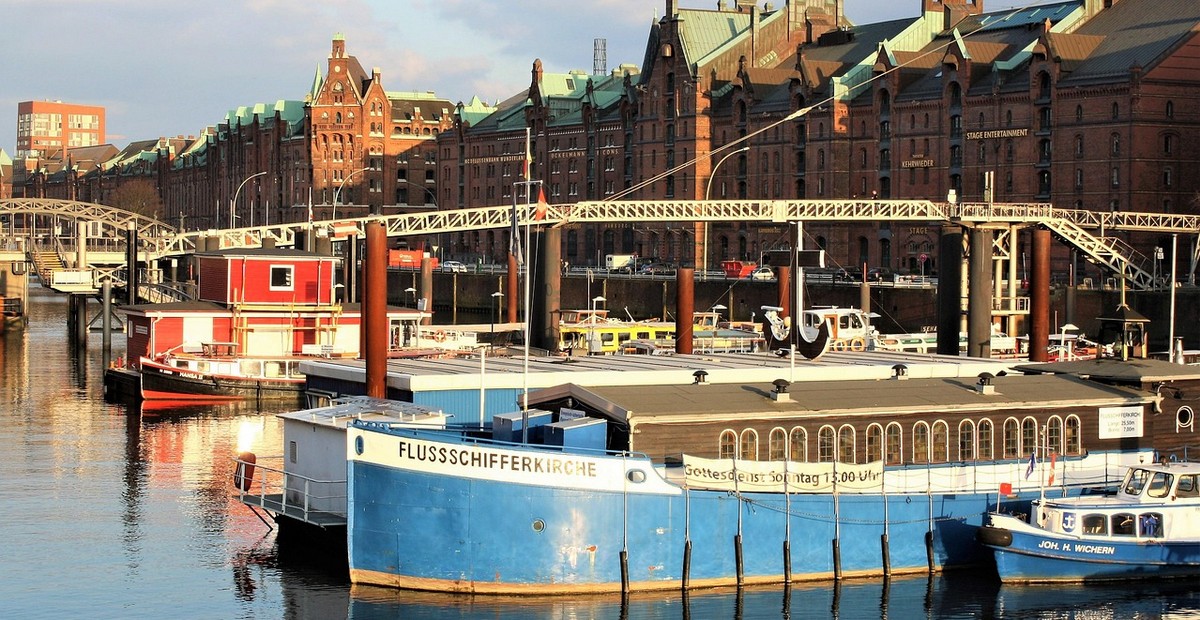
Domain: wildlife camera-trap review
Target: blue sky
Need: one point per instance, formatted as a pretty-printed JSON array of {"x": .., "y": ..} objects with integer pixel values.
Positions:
[{"x": 169, "y": 67}]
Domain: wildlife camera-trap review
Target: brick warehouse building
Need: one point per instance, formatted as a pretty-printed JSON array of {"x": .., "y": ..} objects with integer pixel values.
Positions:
[{"x": 1085, "y": 104}]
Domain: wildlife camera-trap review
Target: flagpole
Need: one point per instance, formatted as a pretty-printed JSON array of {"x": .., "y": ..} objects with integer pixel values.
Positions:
[{"x": 526, "y": 262}]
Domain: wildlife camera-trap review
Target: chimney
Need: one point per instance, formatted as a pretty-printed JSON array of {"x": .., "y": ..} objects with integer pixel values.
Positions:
[
  {"x": 780, "y": 393},
  {"x": 984, "y": 386}
]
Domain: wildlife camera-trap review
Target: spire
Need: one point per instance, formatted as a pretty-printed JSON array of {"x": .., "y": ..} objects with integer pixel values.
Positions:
[{"x": 316, "y": 84}]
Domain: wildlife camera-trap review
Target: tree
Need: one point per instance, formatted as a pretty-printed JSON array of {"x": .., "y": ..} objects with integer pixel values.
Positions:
[{"x": 138, "y": 196}]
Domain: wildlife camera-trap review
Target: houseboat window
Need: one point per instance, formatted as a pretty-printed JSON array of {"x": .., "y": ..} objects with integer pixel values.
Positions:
[
  {"x": 874, "y": 443},
  {"x": 1054, "y": 434},
  {"x": 292, "y": 451},
  {"x": 798, "y": 445},
  {"x": 1071, "y": 435},
  {"x": 777, "y": 445},
  {"x": 1150, "y": 525},
  {"x": 966, "y": 440},
  {"x": 986, "y": 450},
  {"x": 1135, "y": 481},
  {"x": 894, "y": 444},
  {"x": 1012, "y": 438},
  {"x": 846, "y": 447},
  {"x": 920, "y": 443},
  {"x": 825, "y": 444},
  {"x": 749, "y": 450},
  {"x": 606, "y": 338},
  {"x": 281, "y": 277},
  {"x": 1095, "y": 524},
  {"x": 727, "y": 445},
  {"x": 1122, "y": 524},
  {"x": 1160, "y": 484},
  {"x": 941, "y": 442},
  {"x": 1029, "y": 436},
  {"x": 1187, "y": 486},
  {"x": 643, "y": 335},
  {"x": 622, "y": 338}
]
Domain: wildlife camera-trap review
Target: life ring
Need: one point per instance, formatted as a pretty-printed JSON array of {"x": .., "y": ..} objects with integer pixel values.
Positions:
[
  {"x": 440, "y": 335},
  {"x": 243, "y": 474},
  {"x": 838, "y": 345},
  {"x": 858, "y": 344}
]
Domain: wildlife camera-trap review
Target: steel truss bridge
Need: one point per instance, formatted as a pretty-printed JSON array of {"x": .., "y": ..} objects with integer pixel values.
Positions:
[{"x": 1090, "y": 232}]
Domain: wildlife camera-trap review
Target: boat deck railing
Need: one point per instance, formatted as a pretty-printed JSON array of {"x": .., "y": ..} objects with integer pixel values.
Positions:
[{"x": 316, "y": 502}]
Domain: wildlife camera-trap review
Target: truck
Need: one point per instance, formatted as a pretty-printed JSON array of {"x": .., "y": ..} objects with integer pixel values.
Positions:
[{"x": 620, "y": 262}]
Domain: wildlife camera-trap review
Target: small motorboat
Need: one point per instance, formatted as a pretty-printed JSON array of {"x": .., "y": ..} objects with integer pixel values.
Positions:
[{"x": 1148, "y": 528}]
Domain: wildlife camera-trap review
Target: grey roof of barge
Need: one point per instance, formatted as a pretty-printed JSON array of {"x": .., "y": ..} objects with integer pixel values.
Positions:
[
  {"x": 927, "y": 396},
  {"x": 508, "y": 372},
  {"x": 1114, "y": 369}
]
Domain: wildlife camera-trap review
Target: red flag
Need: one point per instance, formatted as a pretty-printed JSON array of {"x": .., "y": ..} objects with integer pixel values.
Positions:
[
  {"x": 1052, "y": 459},
  {"x": 1006, "y": 488},
  {"x": 540, "y": 212}
]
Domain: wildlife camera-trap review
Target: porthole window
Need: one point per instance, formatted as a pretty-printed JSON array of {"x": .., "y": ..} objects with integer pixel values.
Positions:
[{"x": 538, "y": 525}]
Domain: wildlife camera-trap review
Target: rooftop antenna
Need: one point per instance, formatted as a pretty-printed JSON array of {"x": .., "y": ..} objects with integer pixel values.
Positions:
[{"x": 599, "y": 56}]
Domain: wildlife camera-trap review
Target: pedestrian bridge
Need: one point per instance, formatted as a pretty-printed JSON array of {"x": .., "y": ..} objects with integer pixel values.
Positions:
[{"x": 105, "y": 230}]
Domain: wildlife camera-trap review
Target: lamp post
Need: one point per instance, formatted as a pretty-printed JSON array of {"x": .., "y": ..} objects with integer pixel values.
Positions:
[
  {"x": 412, "y": 294},
  {"x": 495, "y": 304},
  {"x": 707, "y": 191},
  {"x": 716, "y": 310},
  {"x": 239, "y": 191},
  {"x": 598, "y": 299},
  {"x": 338, "y": 192}
]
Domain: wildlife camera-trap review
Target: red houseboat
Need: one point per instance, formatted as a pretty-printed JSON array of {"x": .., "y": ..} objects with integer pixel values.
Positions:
[{"x": 258, "y": 314}]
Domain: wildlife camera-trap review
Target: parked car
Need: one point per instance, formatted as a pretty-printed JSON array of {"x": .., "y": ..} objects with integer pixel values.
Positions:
[
  {"x": 454, "y": 266},
  {"x": 657, "y": 269},
  {"x": 762, "y": 274}
]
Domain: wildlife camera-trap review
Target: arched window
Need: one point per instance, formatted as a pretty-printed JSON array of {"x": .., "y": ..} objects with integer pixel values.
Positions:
[
  {"x": 1071, "y": 437},
  {"x": 798, "y": 445},
  {"x": 1054, "y": 434},
  {"x": 920, "y": 442},
  {"x": 749, "y": 449},
  {"x": 1116, "y": 111},
  {"x": 846, "y": 447},
  {"x": 874, "y": 443},
  {"x": 893, "y": 444},
  {"x": 825, "y": 444},
  {"x": 727, "y": 445},
  {"x": 966, "y": 440},
  {"x": 1116, "y": 145},
  {"x": 1012, "y": 438},
  {"x": 1029, "y": 436},
  {"x": 986, "y": 451},
  {"x": 1170, "y": 109},
  {"x": 941, "y": 442},
  {"x": 1078, "y": 113},
  {"x": 777, "y": 446}
]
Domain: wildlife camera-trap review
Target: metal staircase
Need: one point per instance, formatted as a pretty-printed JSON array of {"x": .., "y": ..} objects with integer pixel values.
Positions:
[{"x": 1111, "y": 252}]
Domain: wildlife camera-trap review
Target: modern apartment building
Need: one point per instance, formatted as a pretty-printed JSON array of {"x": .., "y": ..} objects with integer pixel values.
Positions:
[{"x": 46, "y": 127}]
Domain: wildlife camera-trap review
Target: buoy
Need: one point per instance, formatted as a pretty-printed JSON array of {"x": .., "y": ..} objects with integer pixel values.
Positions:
[
  {"x": 440, "y": 335},
  {"x": 858, "y": 344},
  {"x": 243, "y": 475}
]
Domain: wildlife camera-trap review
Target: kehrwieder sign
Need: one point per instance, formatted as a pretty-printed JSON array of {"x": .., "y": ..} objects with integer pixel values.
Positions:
[
  {"x": 998, "y": 133},
  {"x": 917, "y": 163}
]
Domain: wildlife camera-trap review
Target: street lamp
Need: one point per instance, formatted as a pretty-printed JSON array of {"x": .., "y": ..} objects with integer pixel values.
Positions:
[
  {"x": 412, "y": 292},
  {"x": 598, "y": 299},
  {"x": 338, "y": 192},
  {"x": 495, "y": 304},
  {"x": 707, "y": 191},
  {"x": 239, "y": 190}
]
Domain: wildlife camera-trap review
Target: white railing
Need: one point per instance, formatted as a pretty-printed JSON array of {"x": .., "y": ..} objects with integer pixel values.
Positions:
[{"x": 277, "y": 490}]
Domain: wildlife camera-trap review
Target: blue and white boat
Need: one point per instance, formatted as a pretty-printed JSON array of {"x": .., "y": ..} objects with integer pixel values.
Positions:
[
  {"x": 1149, "y": 528},
  {"x": 658, "y": 489}
]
